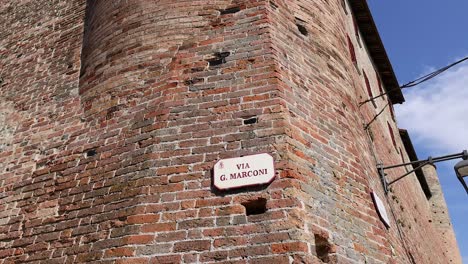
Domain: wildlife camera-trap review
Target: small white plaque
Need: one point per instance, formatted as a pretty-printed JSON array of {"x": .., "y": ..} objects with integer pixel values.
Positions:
[
  {"x": 381, "y": 210},
  {"x": 244, "y": 171}
]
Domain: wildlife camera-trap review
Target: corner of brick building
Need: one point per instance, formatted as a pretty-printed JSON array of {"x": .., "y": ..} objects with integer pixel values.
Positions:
[{"x": 114, "y": 120}]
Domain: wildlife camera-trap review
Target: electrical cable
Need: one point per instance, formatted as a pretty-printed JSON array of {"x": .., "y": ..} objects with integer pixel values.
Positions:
[{"x": 418, "y": 81}]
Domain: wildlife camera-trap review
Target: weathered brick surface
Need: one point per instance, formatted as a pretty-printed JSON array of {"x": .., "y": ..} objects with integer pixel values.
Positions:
[
  {"x": 113, "y": 114},
  {"x": 440, "y": 216}
]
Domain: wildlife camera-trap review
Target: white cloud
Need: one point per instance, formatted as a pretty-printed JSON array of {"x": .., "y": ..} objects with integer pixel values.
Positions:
[{"x": 436, "y": 113}]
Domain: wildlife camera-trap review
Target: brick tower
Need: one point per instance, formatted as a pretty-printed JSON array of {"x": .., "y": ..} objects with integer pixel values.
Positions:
[{"x": 113, "y": 114}]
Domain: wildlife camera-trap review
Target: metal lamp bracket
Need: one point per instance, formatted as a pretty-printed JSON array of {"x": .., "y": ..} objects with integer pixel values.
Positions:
[{"x": 419, "y": 164}]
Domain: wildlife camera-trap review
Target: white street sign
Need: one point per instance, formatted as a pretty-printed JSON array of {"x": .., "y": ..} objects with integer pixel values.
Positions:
[
  {"x": 244, "y": 171},
  {"x": 381, "y": 210}
]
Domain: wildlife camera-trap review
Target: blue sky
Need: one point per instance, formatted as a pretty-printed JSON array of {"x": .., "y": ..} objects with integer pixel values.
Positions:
[{"x": 421, "y": 36}]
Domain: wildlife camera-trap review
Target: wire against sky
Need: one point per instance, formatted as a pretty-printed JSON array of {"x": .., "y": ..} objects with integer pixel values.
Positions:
[{"x": 418, "y": 81}]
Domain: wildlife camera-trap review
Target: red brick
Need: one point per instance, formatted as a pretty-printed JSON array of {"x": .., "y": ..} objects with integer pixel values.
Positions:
[
  {"x": 172, "y": 259},
  {"x": 139, "y": 239},
  {"x": 158, "y": 227},
  {"x": 133, "y": 261},
  {"x": 119, "y": 252},
  {"x": 195, "y": 245},
  {"x": 142, "y": 219},
  {"x": 271, "y": 260},
  {"x": 289, "y": 247}
]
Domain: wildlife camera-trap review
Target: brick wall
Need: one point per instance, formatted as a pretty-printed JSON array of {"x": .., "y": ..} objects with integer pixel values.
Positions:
[
  {"x": 440, "y": 216},
  {"x": 40, "y": 51},
  {"x": 114, "y": 113}
]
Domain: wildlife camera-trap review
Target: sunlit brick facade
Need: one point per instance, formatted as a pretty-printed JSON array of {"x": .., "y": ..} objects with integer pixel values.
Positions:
[{"x": 113, "y": 114}]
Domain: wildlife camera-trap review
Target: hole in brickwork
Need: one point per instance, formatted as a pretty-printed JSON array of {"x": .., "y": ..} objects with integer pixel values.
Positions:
[
  {"x": 193, "y": 81},
  {"x": 91, "y": 152},
  {"x": 111, "y": 112},
  {"x": 251, "y": 121},
  {"x": 41, "y": 164},
  {"x": 302, "y": 29},
  {"x": 197, "y": 69},
  {"x": 255, "y": 207},
  {"x": 223, "y": 54},
  {"x": 273, "y": 5},
  {"x": 216, "y": 62},
  {"x": 230, "y": 10},
  {"x": 301, "y": 26},
  {"x": 322, "y": 248},
  {"x": 219, "y": 58}
]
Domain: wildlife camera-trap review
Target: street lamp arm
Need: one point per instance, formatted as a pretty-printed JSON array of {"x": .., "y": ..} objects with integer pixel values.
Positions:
[
  {"x": 420, "y": 163},
  {"x": 430, "y": 160}
]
